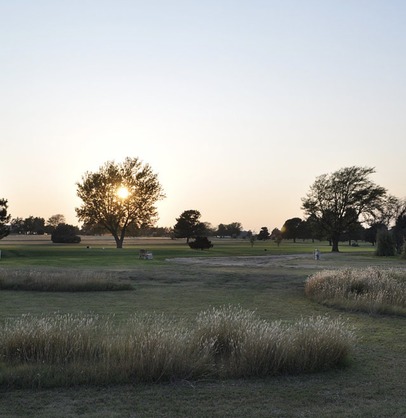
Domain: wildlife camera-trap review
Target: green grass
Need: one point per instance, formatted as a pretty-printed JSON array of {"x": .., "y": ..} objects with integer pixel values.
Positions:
[
  {"x": 372, "y": 386},
  {"x": 101, "y": 251}
]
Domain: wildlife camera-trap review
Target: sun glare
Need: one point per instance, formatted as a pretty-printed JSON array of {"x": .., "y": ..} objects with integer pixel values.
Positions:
[{"x": 122, "y": 192}]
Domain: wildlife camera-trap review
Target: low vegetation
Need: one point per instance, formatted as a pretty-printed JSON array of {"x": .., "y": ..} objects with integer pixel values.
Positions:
[
  {"x": 225, "y": 342},
  {"x": 371, "y": 290},
  {"x": 59, "y": 281},
  {"x": 271, "y": 282}
]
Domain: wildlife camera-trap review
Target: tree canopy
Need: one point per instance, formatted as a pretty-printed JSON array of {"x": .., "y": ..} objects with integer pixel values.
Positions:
[
  {"x": 188, "y": 225},
  {"x": 232, "y": 230},
  {"x": 263, "y": 234},
  {"x": 293, "y": 228},
  {"x": 336, "y": 201},
  {"x": 4, "y": 218},
  {"x": 119, "y": 195}
]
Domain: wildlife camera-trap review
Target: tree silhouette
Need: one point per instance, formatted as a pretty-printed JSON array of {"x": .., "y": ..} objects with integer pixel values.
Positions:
[
  {"x": 337, "y": 200},
  {"x": 4, "y": 219},
  {"x": 105, "y": 204}
]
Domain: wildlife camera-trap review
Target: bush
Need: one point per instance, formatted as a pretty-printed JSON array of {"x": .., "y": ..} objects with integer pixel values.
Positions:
[
  {"x": 404, "y": 251},
  {"x": 65, "y": 234},
  {"x": 386, "y": 246},
  {"x": 200, "y": 243}
]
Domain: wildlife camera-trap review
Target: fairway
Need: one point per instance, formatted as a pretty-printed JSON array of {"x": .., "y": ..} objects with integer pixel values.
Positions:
[{"x": 180, "y": 283}]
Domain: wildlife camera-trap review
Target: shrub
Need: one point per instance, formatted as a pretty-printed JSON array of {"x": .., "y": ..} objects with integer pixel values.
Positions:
[
  {"x": 403, "y": 251},
  {"x": 200, "y": 243},
  {"x": 65, "y": 234},
  {"x": 370, "y": 290},
  {"x": 386, "y": 246}
]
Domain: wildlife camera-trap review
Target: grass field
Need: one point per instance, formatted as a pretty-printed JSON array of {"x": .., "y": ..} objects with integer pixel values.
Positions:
[{"x": 180, "y": 283}]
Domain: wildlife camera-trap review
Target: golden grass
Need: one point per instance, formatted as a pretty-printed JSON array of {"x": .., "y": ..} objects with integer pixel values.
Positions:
[
  {"x": 67, "y": 280},
  {"x": 370, "y": 289},
  {"x": 227, "y": 342}
]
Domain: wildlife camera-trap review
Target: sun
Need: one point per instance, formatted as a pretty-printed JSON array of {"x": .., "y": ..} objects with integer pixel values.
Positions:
[{"x": 122, "y": 192}]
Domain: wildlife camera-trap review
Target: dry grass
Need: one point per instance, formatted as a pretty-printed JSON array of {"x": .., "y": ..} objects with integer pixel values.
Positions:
[
  {"x": 228, "y": 342},
  {"x": 371, "y": 289},
  {"x": 66, "y": 280}
]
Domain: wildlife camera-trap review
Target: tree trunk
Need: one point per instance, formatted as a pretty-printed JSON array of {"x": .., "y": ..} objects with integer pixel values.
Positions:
[
  {"x": 119, "y": 240},
  {"x": 334, "y": 248}
]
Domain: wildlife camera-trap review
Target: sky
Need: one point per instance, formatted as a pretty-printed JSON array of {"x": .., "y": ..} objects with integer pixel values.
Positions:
[{"x": 236, "y": 105}]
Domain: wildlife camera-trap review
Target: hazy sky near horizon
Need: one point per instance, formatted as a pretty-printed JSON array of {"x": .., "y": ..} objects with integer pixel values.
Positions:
[{"x": 237, "y": 105}]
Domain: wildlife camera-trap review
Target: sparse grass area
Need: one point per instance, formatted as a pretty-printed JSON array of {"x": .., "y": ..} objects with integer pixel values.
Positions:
[
  {"x": 60, "y": 281},
  {"x": 372, "y": 386},
  {"x": 373, "y": 290}
]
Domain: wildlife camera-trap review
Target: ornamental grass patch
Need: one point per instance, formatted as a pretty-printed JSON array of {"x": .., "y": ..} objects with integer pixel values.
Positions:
[
  {"x": 67, "y": 280},
  {"x": 226, "y": 342},
  {"x": 372, "y": 290}
]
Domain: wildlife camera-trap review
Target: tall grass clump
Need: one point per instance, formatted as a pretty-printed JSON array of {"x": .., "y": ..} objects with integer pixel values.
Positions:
[
  {"x": 371, "y": 290},
  {"x": 227, "y": 342},
  {"x": 59, "y": 281},
  {"x": 243, "y": 345}
]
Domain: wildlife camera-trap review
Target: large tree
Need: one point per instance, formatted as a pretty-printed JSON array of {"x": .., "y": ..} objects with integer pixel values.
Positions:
[
  {"x": 338, "y": 200},
  {"x": 188, "y": 225},
  {"x": 34, "y": 225},
  {"x": 292, "y": 229},
  {"x": 119, "y": 195},
  {"x": 4, "y": 218}
]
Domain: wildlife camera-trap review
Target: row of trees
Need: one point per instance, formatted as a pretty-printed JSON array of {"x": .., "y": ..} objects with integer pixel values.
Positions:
[
  {"x": 189, "y": 225},
  {"x": 121, "y": 198},
  {"x": 36, "y": 225}
]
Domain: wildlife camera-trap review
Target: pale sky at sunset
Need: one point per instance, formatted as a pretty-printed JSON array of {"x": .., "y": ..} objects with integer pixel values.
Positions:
[{"x": 237, "y": 105}]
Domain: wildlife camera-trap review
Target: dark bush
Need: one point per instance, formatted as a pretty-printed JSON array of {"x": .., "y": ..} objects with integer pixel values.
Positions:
[
  {"x": 200, "y": 243},
  {"x": 385, "y": 244},
  {"x": 65, "y": 234}
]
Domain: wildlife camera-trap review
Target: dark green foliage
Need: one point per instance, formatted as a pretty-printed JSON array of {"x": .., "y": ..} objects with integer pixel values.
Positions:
[
  {"x": 231, "y": 230},
  {"x": 292, "y": 229},
  {"x": 263, "y": 234},
  {"x": 385, "y": 244},
  {"x": 188, "y": 225},
  {"x": 200, "y": 243},
  {"x": 399, "y": 232},
  {"x": 338, "y": 200},
  {"x": 371, "y": 233},
  {"x": 403, "y": 255},
  {"x": 4, "y": 219},
  {"x": 65, "y": 234}
]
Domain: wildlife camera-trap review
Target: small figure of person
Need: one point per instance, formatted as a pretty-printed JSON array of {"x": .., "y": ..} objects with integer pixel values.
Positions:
[{"x": 316, "y": 254}]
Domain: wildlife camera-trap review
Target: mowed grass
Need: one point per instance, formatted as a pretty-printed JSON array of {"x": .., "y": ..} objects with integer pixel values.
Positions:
[{"x": 372, "y": 386}]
